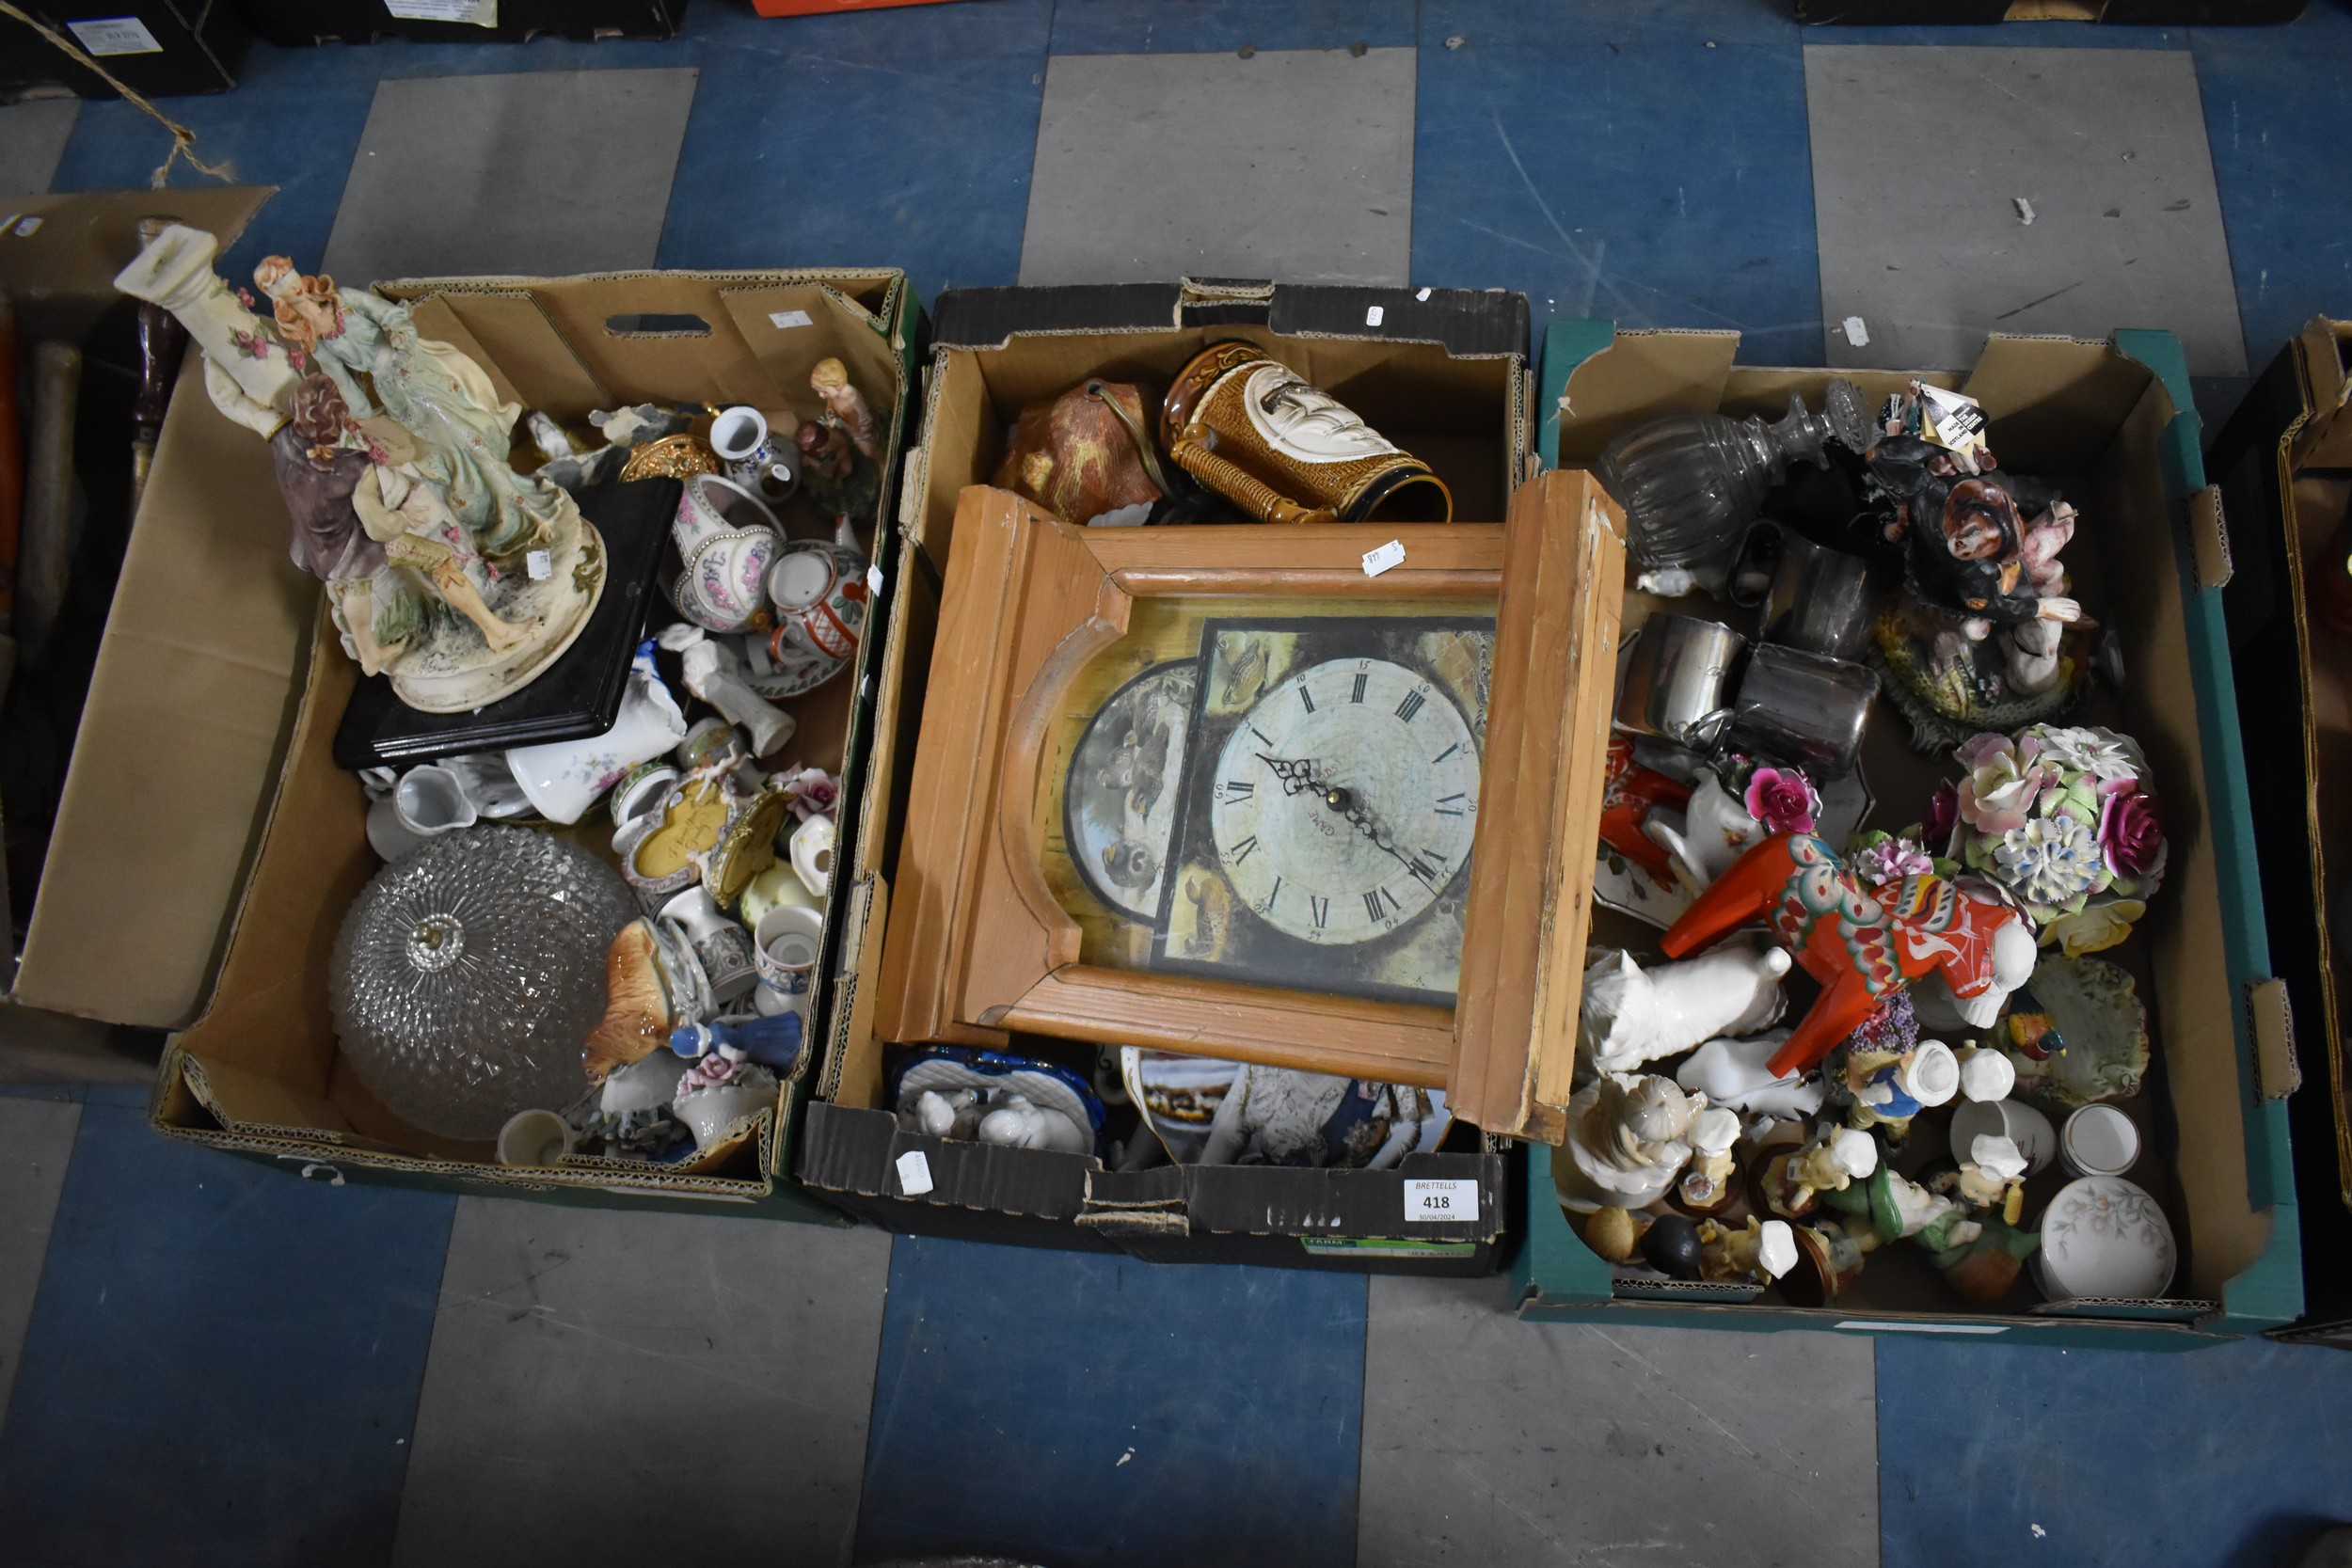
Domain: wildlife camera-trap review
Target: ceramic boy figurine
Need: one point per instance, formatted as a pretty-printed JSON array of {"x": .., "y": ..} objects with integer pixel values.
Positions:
[
  {"x": 1886, "y": 1089},
  {"x": 1791, "y": 1182},
  {"x": 1994, "y": 1174},
  {"x": 1759, "y": 1250},
  {"x": 1708, "y": 1187}
]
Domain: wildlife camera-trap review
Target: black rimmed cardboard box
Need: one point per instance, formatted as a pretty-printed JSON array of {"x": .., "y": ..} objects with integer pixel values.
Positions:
[
  {"x": 2284, "y": 464},
  {"x": 2112, "y": 423},
  {"x": 156, "y": 48},
  {"x": 257, "y": 1071},
  {"x": 298, "y": 23},
  {"x": 1444, "y": 374}
]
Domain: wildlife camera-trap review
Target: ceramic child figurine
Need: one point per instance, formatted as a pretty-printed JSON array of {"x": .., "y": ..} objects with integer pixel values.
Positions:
[
  {"x": 1761, "y": 1250},
  {"x": 1633, "y": 1015},
  {"x": 845, "y": 406},
  {"x": 1861, "y": 945},
  {"x": 1732, "y": 1073},
  {"x": 1710, "y": 1185},
  {"x": 1985, "y": 1075},
  {"x": 1978, "y": 1256},
  {"x": 446, "y": 570},
  {"x": 1886, "y": 1089},
  {"x": 1791, "y": 1182},
  {"x": 1994, "y": 1173},
  {"x": 772, "y": 1042},
  {"x": 944, "y": 1113},
  {"x": 1626, "y": 1141}
]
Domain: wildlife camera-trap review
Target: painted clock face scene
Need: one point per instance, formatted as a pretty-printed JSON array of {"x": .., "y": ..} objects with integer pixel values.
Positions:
[{"x": 1293, "y": 804}]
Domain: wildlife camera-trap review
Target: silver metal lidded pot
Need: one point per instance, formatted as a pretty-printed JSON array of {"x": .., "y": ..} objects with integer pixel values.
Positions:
[{"x": 1691, "y": 482}]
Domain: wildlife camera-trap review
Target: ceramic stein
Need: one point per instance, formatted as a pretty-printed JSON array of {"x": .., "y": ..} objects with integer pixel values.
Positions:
[
  {"x": 1251, "y": 429},
  {"x": 723, "y": 947},
  {"x": 726, "y": 536},
  {"x": 819, "y": 599}
]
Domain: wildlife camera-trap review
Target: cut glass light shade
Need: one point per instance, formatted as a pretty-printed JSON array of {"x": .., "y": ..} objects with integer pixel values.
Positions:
[{"x": 467, "y": 975}]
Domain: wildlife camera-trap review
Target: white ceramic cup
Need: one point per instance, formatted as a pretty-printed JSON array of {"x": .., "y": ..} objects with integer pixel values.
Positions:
[
  {"x": 786, "y": 945},
  {"x": 535, "y": 1138},
  {"x": 2098, "y": 1140},
  {"x": 2024, "y": 1125}
]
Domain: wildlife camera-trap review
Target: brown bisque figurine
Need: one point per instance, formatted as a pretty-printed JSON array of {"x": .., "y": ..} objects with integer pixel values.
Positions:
[{"x": 846, "y": 407}]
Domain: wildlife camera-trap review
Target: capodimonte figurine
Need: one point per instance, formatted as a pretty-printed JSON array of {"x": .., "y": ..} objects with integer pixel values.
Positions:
[
  {"x": 1735, "y": 803},
  {"x": 1732, "y": 1073},
  {"x": 845, "y": 406},
  {"x": 2063, "y": 820},
  {"x": 1790, "y": 1183},
  {"x": 1979, "y": 636},
  {"x": 1861, "y": 945},
  {"x": 1710, "y": 1185},
  {"x": 447, "y": 571},
  {"x": 1633, "y": 1015},
  {"x": 1761, "y": 1250},
  {"x": 1626, "y": 1141}
]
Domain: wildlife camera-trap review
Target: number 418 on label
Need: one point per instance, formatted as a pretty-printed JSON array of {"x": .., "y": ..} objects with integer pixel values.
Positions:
[{"x": 1426, "y": 1201}]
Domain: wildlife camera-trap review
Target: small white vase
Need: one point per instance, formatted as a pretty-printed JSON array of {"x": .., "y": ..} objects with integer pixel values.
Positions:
[
  {"x": 565, "y": 777},
  {"x": 1716, "y": 830}
]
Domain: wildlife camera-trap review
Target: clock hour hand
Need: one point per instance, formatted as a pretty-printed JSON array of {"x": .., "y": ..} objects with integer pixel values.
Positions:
[{"x": 1298, "y": 777}]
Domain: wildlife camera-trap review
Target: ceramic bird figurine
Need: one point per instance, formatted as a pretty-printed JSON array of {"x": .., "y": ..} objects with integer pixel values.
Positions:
[{"x": 1014, "y": 1122}]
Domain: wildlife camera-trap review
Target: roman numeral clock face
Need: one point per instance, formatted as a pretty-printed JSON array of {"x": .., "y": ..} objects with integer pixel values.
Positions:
[{"x": 1344, "y": 804}]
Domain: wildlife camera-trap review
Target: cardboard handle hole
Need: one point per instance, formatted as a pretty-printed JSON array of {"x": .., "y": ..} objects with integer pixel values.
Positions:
[{"x": 656, "y": 327}]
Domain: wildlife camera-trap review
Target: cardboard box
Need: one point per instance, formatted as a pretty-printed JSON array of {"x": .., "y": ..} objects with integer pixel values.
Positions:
[
  {"x": 258, "y": 1072},
  {"x": 1447, "y": 378},
  {"x": 2284, "y": 461},
  {"x": 2113, "y": 424},
  {"x": 114, "y": 817},
  {"x": 156, "y": 48},
  {"x": 1979, "y": 13},
  {"x": 299, "y": 23}
]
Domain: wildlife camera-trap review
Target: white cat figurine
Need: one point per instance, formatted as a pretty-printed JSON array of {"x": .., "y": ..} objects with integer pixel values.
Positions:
[{"x": 1633, "y": 1015}]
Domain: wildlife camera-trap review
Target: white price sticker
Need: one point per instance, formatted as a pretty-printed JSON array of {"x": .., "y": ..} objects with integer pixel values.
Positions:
[
  {"x": 1375, "y": 315},
  {"x": 117, "y": 35},
  {"x": 540, "y": 564},
  {"x": 873, "y": 580},
  {"x": 914, "y": 1173},
  {"x": 1426, "y": 1201},
  {"x": 1388, "y": 555},
  {"x": 783, "y": 320},
  {"x": 28, "y": 227}
]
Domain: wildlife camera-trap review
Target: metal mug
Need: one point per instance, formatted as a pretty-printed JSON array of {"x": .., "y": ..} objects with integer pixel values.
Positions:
[
  {"x": 1816, "y": 598},
  {"x": 1671, "y": 686},
  {"x": 1805, "y": 708}
]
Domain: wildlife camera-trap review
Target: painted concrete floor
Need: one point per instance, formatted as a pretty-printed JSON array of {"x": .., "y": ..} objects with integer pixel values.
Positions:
[{"x": 203, "y": 1361}]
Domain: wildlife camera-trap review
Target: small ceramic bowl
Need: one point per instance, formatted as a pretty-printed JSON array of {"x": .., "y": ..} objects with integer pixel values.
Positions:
[
  {"x": 2104, "y": 1236},
  {"x": 2028, "y": 1128},
  {"x": 2098, "y": 1140},
  {"x": 639, "y": 790}
]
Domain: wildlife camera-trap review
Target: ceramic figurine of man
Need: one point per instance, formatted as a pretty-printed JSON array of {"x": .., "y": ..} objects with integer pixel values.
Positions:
[
  {"x": 1708, "y": 1187},
  {"x": 1761, "y": 1250},
  {"x": 845, "y": 407}
]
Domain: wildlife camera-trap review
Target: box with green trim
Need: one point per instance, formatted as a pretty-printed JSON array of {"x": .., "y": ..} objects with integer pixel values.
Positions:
[
  {"x": 258, "y": 1072},
  {"x": 2112, "y": 423}
]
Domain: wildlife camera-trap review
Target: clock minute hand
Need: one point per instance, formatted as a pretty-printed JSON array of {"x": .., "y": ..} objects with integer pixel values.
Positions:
[{"x": 1298, "y": 776}]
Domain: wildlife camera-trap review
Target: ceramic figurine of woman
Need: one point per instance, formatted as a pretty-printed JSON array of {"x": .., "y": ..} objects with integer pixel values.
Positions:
[
  {"x": 845, "y": 406},
  {"x": 312, "y": 322}
]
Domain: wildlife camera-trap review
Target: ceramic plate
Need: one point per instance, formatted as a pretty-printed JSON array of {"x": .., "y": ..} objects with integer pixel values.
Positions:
[
  {"x": 2098, "y": 1013},
  {"x": 2103, "y": 1236}
]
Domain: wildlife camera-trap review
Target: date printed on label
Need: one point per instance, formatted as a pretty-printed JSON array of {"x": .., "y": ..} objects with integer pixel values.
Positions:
[{"x": 1426, "y": 1201}]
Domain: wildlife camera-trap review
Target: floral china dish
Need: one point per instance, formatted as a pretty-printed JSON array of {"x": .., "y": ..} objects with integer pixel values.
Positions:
[{"x": 2105, "y": 1237}]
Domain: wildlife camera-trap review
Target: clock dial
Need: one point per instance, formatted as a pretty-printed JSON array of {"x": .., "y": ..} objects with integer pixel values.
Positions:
[{"x": 1344, "y": 804}]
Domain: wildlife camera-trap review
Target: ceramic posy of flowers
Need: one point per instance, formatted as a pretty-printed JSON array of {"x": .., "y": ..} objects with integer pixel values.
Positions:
[
  {"x": 1782, "y": 799},
  {"x": 2063, "y": 819}
]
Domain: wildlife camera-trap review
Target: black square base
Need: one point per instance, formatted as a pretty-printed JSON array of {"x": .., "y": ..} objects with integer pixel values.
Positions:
[{"x": 580, "y": 694}]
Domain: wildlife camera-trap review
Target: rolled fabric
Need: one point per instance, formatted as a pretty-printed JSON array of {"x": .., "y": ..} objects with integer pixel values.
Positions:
[{"x": 45, "y": 556}]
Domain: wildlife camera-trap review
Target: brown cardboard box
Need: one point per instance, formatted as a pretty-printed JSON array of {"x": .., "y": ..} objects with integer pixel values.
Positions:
[
  {"x": 171, "y": 767},
  {"x": 259, "y": 1071},
  {"x": 1446, "y": 377}
]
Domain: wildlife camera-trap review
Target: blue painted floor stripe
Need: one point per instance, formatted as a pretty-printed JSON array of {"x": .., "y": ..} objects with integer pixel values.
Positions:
[
  {"x": 1990, "y": 1456},
  {"x": 1081, "y": 1409},
  {"x": 223, "y": 1361}
]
